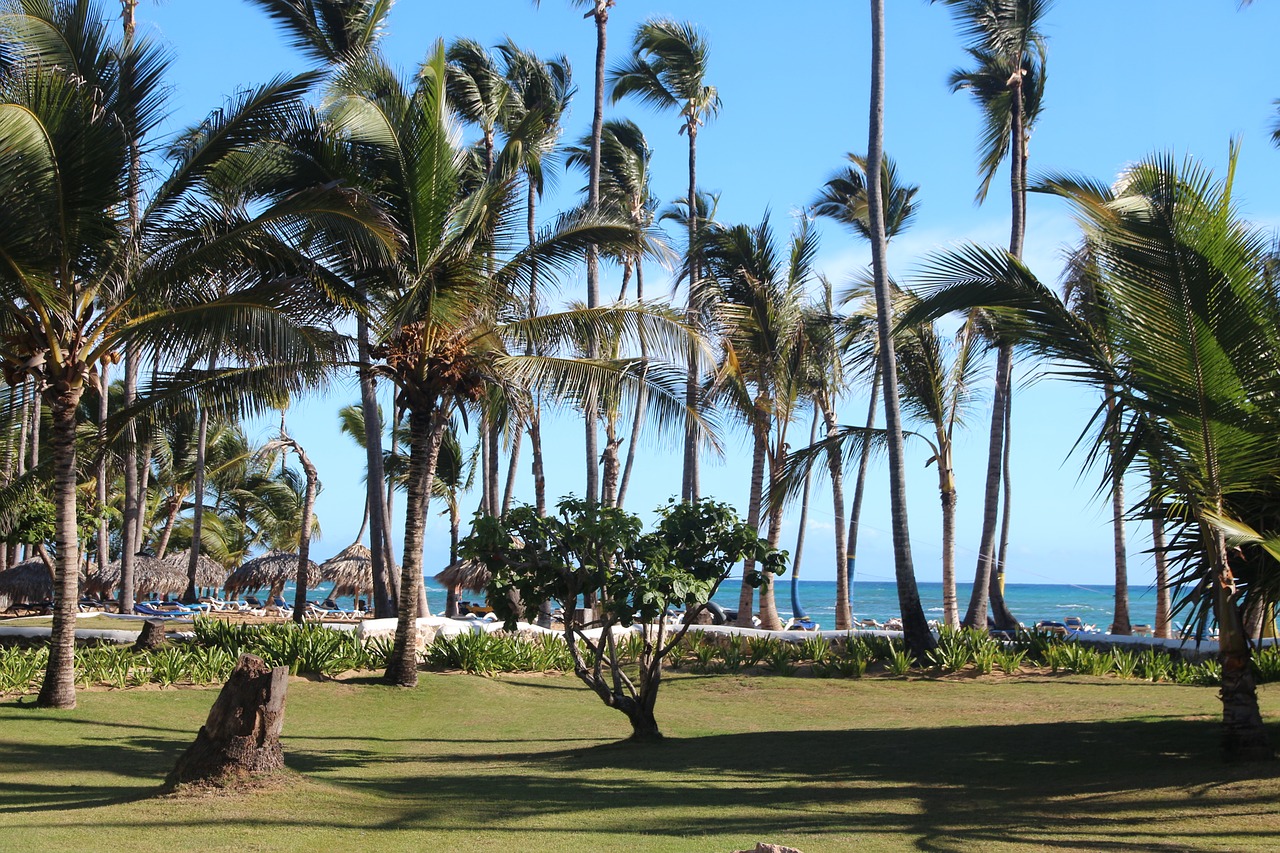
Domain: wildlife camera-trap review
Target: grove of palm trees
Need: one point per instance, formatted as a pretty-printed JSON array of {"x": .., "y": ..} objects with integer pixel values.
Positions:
[{"x": 693, "y": 346}]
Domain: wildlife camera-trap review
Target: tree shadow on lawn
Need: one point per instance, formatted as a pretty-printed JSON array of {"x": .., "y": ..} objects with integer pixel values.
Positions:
[{"x": 1047, "y": 784}]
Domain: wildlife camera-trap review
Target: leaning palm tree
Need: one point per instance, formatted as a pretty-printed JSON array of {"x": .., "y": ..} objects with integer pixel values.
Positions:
[
  {"x": 75, "y": 294},
  {"x": 843, "y": 199},
  {"x": 915, "y": 630},
  {"x": 667, "y": 69},
  {"x": 1007, "y": 82},
  {"x": 1189, "y": 353}
]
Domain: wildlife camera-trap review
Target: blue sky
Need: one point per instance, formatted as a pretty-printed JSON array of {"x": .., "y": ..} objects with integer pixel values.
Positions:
[{"x": 1124, "y": 80}]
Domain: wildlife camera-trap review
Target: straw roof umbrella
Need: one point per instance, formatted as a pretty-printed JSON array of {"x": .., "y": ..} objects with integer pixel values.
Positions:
[
  {"x": 350, "y": 570},
  {"x": 470, "y": 575},
  {"x": 28, "y": 581},
  {"x": 210, "y": 574},
  {"x": 272, "y": 570},
  {"x": 150, "y": 576}
]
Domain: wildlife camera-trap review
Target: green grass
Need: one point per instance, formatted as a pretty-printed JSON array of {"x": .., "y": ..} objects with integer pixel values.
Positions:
[
  {"x": 96, "y": 622},
  {"x": 534, "y": 763}
]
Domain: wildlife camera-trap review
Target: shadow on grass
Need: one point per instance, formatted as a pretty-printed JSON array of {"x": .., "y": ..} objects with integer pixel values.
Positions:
[
  {"x": 1043, "y": 784},
  {"x": 1157, "y": 784}
]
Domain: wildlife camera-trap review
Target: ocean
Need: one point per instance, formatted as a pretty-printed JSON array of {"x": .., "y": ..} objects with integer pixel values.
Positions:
[{"x": 1030, "y": 602}]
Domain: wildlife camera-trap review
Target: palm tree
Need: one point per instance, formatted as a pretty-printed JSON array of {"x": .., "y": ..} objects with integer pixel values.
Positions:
[
  {"x": 667, "y": 69},
  {"x": 540, "y": 92},
  {"x": 65, "y": 163},
  {"x": 915, "y": 629},
  {"x": 455, "y": 471},
  {"x": 843, "y": 199},
  {"x": 1188, "y": 350},
  {"x": 625, "y": 192},
  {"x": 444, "y": 297},
  {"x": 333, "y": 33},
  {"x": 1007, "y": 82},
  {"x": 764, "y": 334}
]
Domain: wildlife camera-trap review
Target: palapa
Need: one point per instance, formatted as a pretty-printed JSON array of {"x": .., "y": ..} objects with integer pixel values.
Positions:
[
  {"x": 210, "y": 574},
  {"x": 350, "y": 570},
  {"x": 470, "y": 575},
  {"x": 272, "y": 570},
  {"x": 29, "y": 581},
  {"x": 150, "y": 576}
]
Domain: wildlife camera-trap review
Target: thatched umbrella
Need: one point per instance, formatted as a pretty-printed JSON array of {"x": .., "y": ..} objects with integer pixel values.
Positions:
[
  {"x": 150, "y": 576},
  {"x": 210, "y": 574},
  {"x": 470, "y": 575},
  {"x": 350, "y": 570},
  {"x": 272, "y": 570},
  {"x": 28, "y": 581}
]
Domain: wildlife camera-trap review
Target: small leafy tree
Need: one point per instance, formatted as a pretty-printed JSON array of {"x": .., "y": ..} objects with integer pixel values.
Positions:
[{"x": 639, "y": 579}]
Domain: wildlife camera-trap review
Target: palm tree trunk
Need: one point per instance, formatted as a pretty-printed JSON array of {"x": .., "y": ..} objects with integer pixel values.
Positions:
[
  {"x": 797, "y": 610},
  {"x": 915, "y": 629},
  {"x": 1162, "y": 626},
  {"x": 513, "y": 468},
  {"x": 1120, "y": 624},
  {"x": 835, "y": 468},
  {"x": 17, "y": 552},
  {"x": 976, "y": 615},
  {"x": 144, "y": 484},
  {"x": 746, "y": 596},
  {"x": 304, "y": 536},
  {"x": 384, "y": 605},
  {"x": 1244, "y": 737},
  {"x": 132, "y": 505},
  {"x": 642, "y": 400},
  {"x": 35, "y": 431},
  {"x": 427, "y": 431},
  {"x": 539, "y": 473},
  {"x": 590, "y": 414},
  {"x": 491, "y": 472},
  {"x": 859, "y": 492},
  {"x": 197, "y": 514},
  {"x": 609, "y": 460},
  {"x": 947, "y": 493},
  {"x": 1004, "y": 618},
  {"x": 769, "y": 619},
  {"x": 104, "y": 530},
  {"x": 59, "y": 687},
  {"x": 175, "y": 507},
  {"x": 690, "y": 488}
]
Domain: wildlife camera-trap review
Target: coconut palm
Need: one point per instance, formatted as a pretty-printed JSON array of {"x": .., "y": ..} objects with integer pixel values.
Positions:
[
  {"x": 444, "y": 299},
  {"x": 1190, "y": 356},
  {"x": 1007, "y": 82},
  {"x": 540, "y": 92},
  {"x": 915, "y": 630},
  {"x": 667, "y": 70},
  {"x": 762, "y": 295},
  {"x": 75, "y": 294},
  {"x": 843, "y": 199},
  {"x": 333, "y": 33},
  {"x": 625, "y": 192}
]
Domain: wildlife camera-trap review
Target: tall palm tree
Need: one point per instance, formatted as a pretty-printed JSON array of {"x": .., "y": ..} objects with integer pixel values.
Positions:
[
  {"x": 333, "y": 33},
  {"x": 915, "y": 629},
  {"x": 843, "y": 199},
  {"x": 667, "y": 69},
  {"x": 1007, "y": 82},
  {"x": 625, "y": 192},
  {"x": 1189, "y": 353},
  {"x": 540, "y": 92},
  {"x": 763, "y": 326}
]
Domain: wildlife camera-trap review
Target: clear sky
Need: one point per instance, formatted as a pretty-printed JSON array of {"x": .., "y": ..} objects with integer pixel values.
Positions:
[{"x": 1124, "y": 79}]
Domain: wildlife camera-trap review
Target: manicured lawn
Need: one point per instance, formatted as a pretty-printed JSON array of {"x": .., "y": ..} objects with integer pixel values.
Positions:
[{"x": 534, "y": 763}]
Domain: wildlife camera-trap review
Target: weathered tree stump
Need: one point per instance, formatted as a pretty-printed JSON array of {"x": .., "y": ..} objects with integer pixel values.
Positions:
[
  {"x": 152, "y": 636},
  {"x": 242, "y": 735}
]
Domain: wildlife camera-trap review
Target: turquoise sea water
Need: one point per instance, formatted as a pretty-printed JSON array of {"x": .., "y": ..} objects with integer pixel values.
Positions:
[{"x": 879, "y": 600}]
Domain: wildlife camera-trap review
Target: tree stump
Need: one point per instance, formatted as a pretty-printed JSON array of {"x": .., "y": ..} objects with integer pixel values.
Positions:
[
  {"x": 152, "y": 636},
  {"x": 242, "y": 735}
]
